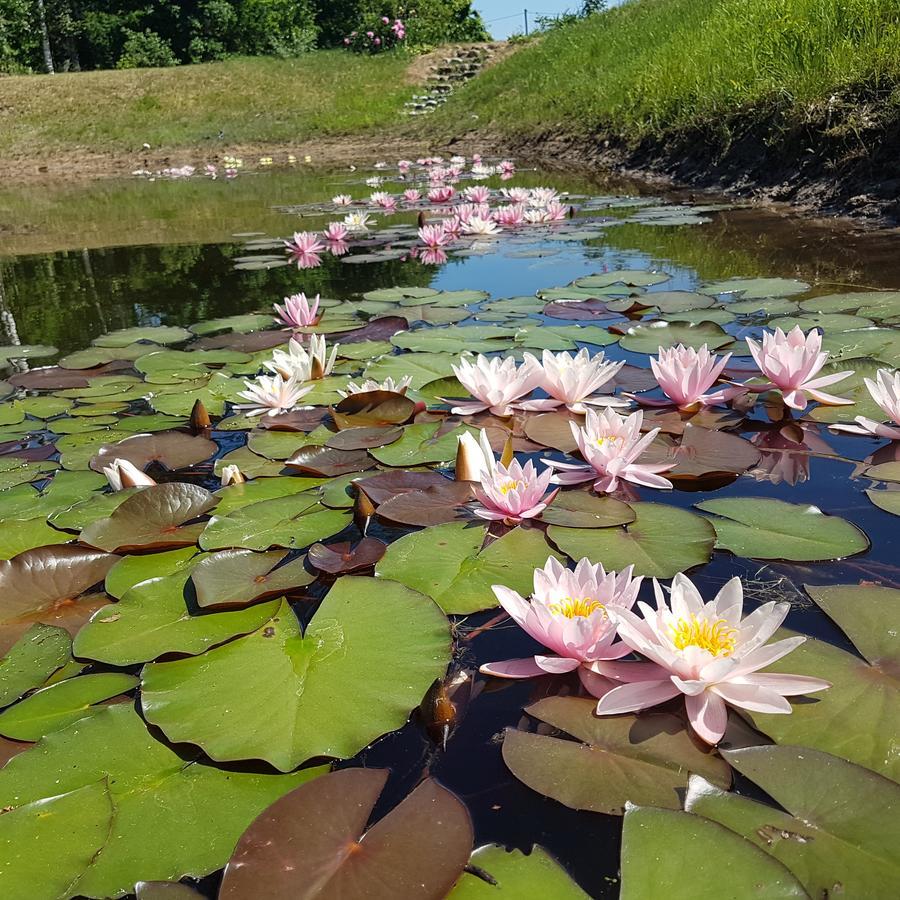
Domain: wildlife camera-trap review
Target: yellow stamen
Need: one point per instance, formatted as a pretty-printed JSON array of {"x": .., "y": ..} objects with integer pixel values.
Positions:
[
  {"x": 570, "y": 607},
  {"x": 612, "y": 438},
  {"x": 717, "y": 638},
  {"x": 508, "y": 486}
]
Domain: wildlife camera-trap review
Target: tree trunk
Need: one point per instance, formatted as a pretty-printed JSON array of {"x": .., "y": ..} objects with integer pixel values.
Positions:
[{"x": 45, "y": 38}]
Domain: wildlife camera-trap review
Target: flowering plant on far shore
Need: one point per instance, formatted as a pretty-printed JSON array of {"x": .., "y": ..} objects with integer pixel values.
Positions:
[{"x": 376, "y": 33}]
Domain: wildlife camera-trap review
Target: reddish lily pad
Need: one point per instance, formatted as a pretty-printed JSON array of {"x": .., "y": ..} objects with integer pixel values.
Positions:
[
  {"x": 364, "y": 437},
  {"x": 373, "y": 408},
  {"x": 418, "y": 849},
  {"x": 336, "y": 559},
  {"x": 327, "y": 462},
  {"x": 173, "y": 449},
  {"x": 234, "y": 578},
  {"x": 552, "y": 429},
  {"x": 153, "y": 519},
  {"x": 702, "y": 452}
]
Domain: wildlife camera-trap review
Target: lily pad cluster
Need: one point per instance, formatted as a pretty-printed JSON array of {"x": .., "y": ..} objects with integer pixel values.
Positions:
[{"x": 188, "y": 656}]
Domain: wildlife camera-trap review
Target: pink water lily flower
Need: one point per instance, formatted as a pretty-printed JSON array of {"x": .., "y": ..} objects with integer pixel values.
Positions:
[
  {"x": 441, "y": 194},
  {"x": 611, "y": 445},
  {"x": 571, "y": 380},
  {"x": 403, "y": 165},
  {"x": 569, "y": 614},
  {"x": 272, "y": 395},
  {"x": 433, "y": 236},
  {"x": 297, "y": 312},
  {"x": 411, "y": 195},
  {"x": 885, "y": 391},
  {"x": 122, "y": 473},
  {"x": 516, "y": 194},
  {"x": 514, "y": 492},
  {"x": 790, "y": 361},
  {"x": 510, "y": 215},
  {"x": 706, "y": 652},
  {"x": 429, "y": 257},
  {"x": 342, "y": 200},
  {"x": 400, "y": 386},
  {"x": 541, "y": 196},
  {"x": 478, "y": 193},
  {"x": 555, "y": 211},
  {"x": 304, "y": 242},
  {"x": 686, "y": 374},
  {"x": 466, "y": 211},
  {"x": 452, "y": 227},
  {"x": 307, "y": 260},
  {"x": 336, "y": 231},
  {"x": 507, "y": 167},
  {"x": 495, "y": 383}
]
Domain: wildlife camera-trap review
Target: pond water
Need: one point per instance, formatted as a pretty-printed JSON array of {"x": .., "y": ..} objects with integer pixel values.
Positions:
[{"x": 80, "y": 262}]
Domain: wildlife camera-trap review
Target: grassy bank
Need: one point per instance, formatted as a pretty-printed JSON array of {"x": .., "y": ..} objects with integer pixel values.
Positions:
[
  {"x": 260, "y": 100},
  {"x": 652, "y": 67}
]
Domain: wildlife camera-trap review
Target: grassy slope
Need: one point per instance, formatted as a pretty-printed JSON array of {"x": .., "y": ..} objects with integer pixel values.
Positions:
[
  {"x": 657, "y": 66},
  {"x": 252, "y": 100}
]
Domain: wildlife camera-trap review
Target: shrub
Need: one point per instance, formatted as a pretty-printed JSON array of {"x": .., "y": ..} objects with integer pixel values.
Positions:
[{"x": 145, "y": 50}]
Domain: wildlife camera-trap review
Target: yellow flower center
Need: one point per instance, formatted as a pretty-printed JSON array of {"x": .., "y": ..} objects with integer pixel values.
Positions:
[
  {"x": 570, "y": 607},
  {"x": 610, "y": 438},
  {"x": 717, "y": 638},
  {"x": 508, "y": 486}
]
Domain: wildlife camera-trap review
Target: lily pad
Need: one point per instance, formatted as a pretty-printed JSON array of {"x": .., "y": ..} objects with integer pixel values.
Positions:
[
  {"x": 235, "y": 578},
  {"x": 157, "y": 334},
  {"x": 421, "y": 444},
  {"x": 693, "y": 856},
  {"x": 371, "y": 651},
  {"x": 645, "y": 543},
  {"x": 336, "y": 559},
  {"x": 373, "y": 409},
  {"x": 763, "y": 528},
  {"x": 754, "y": 288},
  {"x": 418, "y": 849},
  {"x": 153, "y": 618},
  {"x": 173, "y": 449},
  {"x": 40, "y": 652},
  {"x": 420, "y": 367},
  {"x": 644, "y": 759},
  {"x": 196, "y": 813},
  {"x": 650, "y": 336},
  {"x": 630, "y": 277},
  {"x": 458, "y": 573},
  {"x": 583, "y": 509}
]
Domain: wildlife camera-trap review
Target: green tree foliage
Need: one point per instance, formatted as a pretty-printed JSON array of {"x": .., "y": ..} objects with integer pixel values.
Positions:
[{"x": 105, "y": 34}]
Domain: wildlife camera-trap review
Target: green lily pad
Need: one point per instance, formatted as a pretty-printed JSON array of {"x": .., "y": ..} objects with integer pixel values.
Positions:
[
  {"x": 234, "y": 578},
  {"x": 645, "y": 543},
  {"x": 396, "y": 294},
  {"x": 157, "y": 334},
  {"x": 96, "y": 506},
  {"x": 18, "y": 471},
  {"x": 420, "y": 367},
  {"x": 849, "y": 302},
  {"x": 584, "y": 509},
  {"x": 11, "y": 413},
  {"x": 239, "y": 324},
  {"x": 293, "y": 522},
  {"x": 639, "y": 759},
  {"x": 455, "y": 339},
  {"x": 243, "y": 494},
  {"x": 882, "y": 344},
  {"x": 763, "y": 528},
  {"x": 40, "y": 652},
  {"x": 459, "y": 574},
  {"x": 753, "y": 288},
  {"x": 60, "y": 704},
  {"x": 132, "y": 570},
  {"x": 284, "y": 444},
  {"x": 562, "y": 337},
  {"x": 825, "y": 321},
  {"x": 535, "y": 876},
  {"x": 25, "y": 351},
  {"x": 631, "y": 277},
  {"x": 650, "y": 336},
  {"x": 77, "y": 450},
  {"x": 889, "y": 501},
  {"x": 98, "y": 356},
  {"x": 371, "y": 651},
  {"x": 220, "y": 390},
  {"x": 81, "y": 424},
  {"x": 19, "y": 535},
  {"x": 153, "y": 618},
  {"x": 62, "y": 491},
  {"x": 48, "y": 844},
  {"x": 421, "y": 444},
  {"x": 694, "y": 858},
  {"x": 856, "y": 717},
  {"x": 196, "y": 813}
]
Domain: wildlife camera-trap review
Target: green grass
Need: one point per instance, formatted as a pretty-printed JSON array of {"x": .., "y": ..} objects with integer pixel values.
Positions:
[
  {"x": 321, "y": 94},
  {"x": 654, "y": 66}
]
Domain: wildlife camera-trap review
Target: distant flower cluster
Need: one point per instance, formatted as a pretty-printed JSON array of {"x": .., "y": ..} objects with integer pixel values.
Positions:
[{"x": 377, "y": 34}]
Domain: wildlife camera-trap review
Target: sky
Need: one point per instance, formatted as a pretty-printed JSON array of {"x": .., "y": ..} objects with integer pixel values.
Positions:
[{"x": 509, "y": 13}]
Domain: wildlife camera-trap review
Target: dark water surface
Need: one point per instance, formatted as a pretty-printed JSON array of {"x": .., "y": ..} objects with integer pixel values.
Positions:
[{"x": 79, "y": 261}]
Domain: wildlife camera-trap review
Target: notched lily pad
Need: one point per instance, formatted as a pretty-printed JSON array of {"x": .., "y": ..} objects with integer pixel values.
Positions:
[{"x": 235, "y": 578}]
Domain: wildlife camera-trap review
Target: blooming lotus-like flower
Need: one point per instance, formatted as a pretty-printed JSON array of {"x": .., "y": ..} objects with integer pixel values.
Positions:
[
  {"x": 706, "y": 652},
  {"x": 304, "y": 242},
  {"x": 357, "y": 222},
  {"x": 307, "y": 260},
  {"x": 478, "y": 227},
  {"x": 516, "y": 195},
  {"x": 536, "y": 216},
  {"x": 513, "y": 493},
  {"x": 297, "y": 311},
  {"x": 338, "y": 248},
  {"x": 301, "y": 364},
  {"x": 496, "y": 383},
  {"x": 404, "y": 165},
  {"x": 790, "y": 361},
  {"x": 555, "y": 211},
  {"x": 507, "y": 167},
  {"x": 272, "y": 395},
  {"x": 336, "y": 231},
  {"x": 441, "y": 194},
  {"x": 375, "y": 181},
  {"x": 433, "y": 257},
  {"x": 211, "y": 170},
  {"x": 542, "y": 196},
  {"x": 342, "y": 200},
  {"x": 452, "y": 228},
  {"x": 466, "y": 211},
  {"x": 121, "y": 473},
  {"x": 432, "y": 236},
  {"x": 569, "y": 613},
  {"x": 395, "y": 387},
  {"x": 611, "y": 444},
  {"x": 571, "y": 380},
  {"x": 232, "y": 475},
  {"x": 885, "y": 391},
  {"x": 510, "y": 215},
  {"x": 686, "y": 374},
  {"x": 411, "y": 195},
  {"x": 478, "y": 193},
  {"x": 480, "y": 171},
  {"x": 384, "y": 200}
]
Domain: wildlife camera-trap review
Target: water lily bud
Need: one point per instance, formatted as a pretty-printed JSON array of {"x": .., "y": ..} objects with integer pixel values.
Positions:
[
  {"x": 199, "y": 417},
  {"x": 232, "y": 475},
  {"x": 472, "y": 459},
  {"x": 363, "y": 510},
  {"x": 507, "y": 456},
  {"x": 124, "y": 474}
]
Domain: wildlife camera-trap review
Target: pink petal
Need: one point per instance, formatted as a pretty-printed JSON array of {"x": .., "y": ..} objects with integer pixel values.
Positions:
[
  {"x": 596, "y": 685},
  {"x": 788, "y": 685},
  {"x": 752, "y": 697},
  {"x": 708, "y": 716},
  {"x": 633, "y": 697},
  {"x": 513, "y": 668},
  {"x": 556, "y": 665}
]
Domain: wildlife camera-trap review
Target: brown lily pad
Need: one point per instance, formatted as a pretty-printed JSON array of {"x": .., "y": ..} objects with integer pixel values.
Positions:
[
  {"x": 380, "y": 488},
  {"x": 363, "y": 437},
  {"x": 336, "y": 559},
  {"x": 172, "y": 449},
  {"x": 553, "y": 429},
  {"x": 55, "y": 378},
  {"x": 327, "y": 462},
  {"x": 594, "y": 310},
  {"x": 312, "y": 843},
  {"x": 376, "y": 330},
  {"x": 433, "y": 506},
  {"x": 702, "y": 452},
  {"x": 153, "y": 518},
  {"x": 369, "y": 408},
  {"x": 235, "y": 578},
  {"x": 252, "y": 342}
]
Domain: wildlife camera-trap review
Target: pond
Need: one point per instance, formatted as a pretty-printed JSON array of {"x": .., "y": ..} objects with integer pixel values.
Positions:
[{"x": 275, "y": 620}]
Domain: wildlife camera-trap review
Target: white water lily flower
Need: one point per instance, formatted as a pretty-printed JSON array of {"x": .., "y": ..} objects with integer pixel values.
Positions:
[
  {"x": 272, "y": 395},
  {"x": 395, "y": 387},
  {"x": 232, "y": 475},
  {"x": 572, "y": 380},
  {"x": 303, "y": 364},
  {"x": 885, "y": 391},
  {"x": 495, "y": 383},
  {"x": 121, "y": 473},
  {"x": 357, "y": 222},
  {"x": 479, "y": 227}
]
